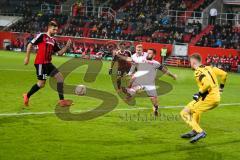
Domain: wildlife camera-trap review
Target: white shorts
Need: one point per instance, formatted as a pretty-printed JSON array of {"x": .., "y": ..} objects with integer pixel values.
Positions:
[{"x": 150, "y": 89}]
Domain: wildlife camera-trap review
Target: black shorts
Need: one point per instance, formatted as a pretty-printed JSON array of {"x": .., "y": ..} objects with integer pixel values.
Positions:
[
  {"x": 45, "y": 70},
  {"x": 122, "y": 71}
]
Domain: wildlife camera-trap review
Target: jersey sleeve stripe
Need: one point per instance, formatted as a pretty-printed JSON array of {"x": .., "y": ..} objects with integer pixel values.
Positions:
[{"x": 33, "y": 41}]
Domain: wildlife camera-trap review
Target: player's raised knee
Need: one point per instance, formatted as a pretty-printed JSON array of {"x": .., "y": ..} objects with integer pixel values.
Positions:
[
  {"x": 41, "y": 84},
  {"x": 59, "y": 77},
  {"x": 184, "y": 112}
]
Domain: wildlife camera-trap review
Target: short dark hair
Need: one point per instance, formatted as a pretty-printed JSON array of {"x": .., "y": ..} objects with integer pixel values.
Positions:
[
  {"x": 154, "y": 50},
  {"x": 197, "y": 57},
  {"x": 52, "y": 24}
]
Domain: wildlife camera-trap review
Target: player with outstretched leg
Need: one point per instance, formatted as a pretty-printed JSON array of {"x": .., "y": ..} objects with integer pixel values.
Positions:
[
  {"x": 47, "y": 46},
  {"x": 144, "y": 77}
]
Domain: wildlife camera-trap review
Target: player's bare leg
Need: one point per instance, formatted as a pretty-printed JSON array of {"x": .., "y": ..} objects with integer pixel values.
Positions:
[
  {"x": 60, "y": 80},
  {"x": 26, "y": 96},
  {"x": 154, "y": 101},
  {"x": 130, "y": 92}
]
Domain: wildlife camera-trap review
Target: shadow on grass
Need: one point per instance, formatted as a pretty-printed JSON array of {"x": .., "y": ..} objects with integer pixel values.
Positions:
[{"x": 195, "y": 151}]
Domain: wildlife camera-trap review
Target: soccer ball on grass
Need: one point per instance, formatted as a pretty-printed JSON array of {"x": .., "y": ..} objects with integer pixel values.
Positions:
[{"x": 80, "y": 90}]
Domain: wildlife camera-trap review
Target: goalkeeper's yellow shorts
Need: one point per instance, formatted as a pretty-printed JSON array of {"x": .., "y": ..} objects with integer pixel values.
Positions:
[{"x": 200, "y": 106}]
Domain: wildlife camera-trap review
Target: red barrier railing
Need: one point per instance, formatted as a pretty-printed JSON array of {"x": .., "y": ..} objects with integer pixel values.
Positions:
[{"x": 203, "y": 51}]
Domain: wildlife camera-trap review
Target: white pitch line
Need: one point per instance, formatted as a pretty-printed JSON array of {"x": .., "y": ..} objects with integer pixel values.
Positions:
[{"x": 121, "y": 109}]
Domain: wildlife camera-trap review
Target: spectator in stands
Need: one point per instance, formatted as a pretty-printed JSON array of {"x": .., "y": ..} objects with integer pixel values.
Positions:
[
  {"x": 235, "y": 63},
  {"x": 215, "y": 61},
  {"x": 218, "y": 43},
  {"x": 209, "y": 60},
  {"x": 227, "y": 63},
  {"x": 75, "y": 9},
  {"x": 182, "y": 6},
  {"x": 213, "y": 16},
  {"x": 222, "y": 62},
  {"x": 224, "y": 36},
  {"x": 193, "y": 28}
]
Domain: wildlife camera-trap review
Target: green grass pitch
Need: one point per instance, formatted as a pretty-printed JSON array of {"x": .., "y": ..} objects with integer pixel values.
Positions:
[{"x": 114, "y": 135}]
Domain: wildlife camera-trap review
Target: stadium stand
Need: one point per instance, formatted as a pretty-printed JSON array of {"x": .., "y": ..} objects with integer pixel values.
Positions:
[
  {"x": 25, "y": 7},
  {"x": 223, "y": 36},
  {"x": 154, "y": 21},
  {"x": 229, "y": 63},
  {"x": 37, "y": 23},
  {"x": 135, "y": 25}
]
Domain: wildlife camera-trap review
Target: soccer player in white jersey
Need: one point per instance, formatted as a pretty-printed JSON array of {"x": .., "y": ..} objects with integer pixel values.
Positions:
[
  {"x": 144, "y": 77},
  {"x": 136, "y": 58}
]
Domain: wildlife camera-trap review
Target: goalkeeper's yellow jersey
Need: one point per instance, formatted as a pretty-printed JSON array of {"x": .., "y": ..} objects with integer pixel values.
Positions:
[{"x": 207, "y": 79}]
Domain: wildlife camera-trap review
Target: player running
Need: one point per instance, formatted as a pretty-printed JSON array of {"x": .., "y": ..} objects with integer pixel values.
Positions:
[
  {"x": 206, "y": 99},
  {"x": 47, "y": 46},
  {"x": 144, "y": 77},
  {"x": 123, "y": 66}
]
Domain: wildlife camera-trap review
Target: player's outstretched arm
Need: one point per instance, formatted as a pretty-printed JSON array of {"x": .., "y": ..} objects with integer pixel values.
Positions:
[
  {"x": 29, "y": 47},
  {"x": 167, "y": 72},
  {"x": 129, "y": 59},
  {"x": 64, "y": 49}
]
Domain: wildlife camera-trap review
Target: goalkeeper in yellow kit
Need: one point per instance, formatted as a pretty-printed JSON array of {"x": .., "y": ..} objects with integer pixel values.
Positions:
[{"x": 206, "y": 99}]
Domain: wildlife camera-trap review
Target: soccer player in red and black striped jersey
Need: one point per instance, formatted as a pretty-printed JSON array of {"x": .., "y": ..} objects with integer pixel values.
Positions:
[{"x": 47, "y": 46}]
